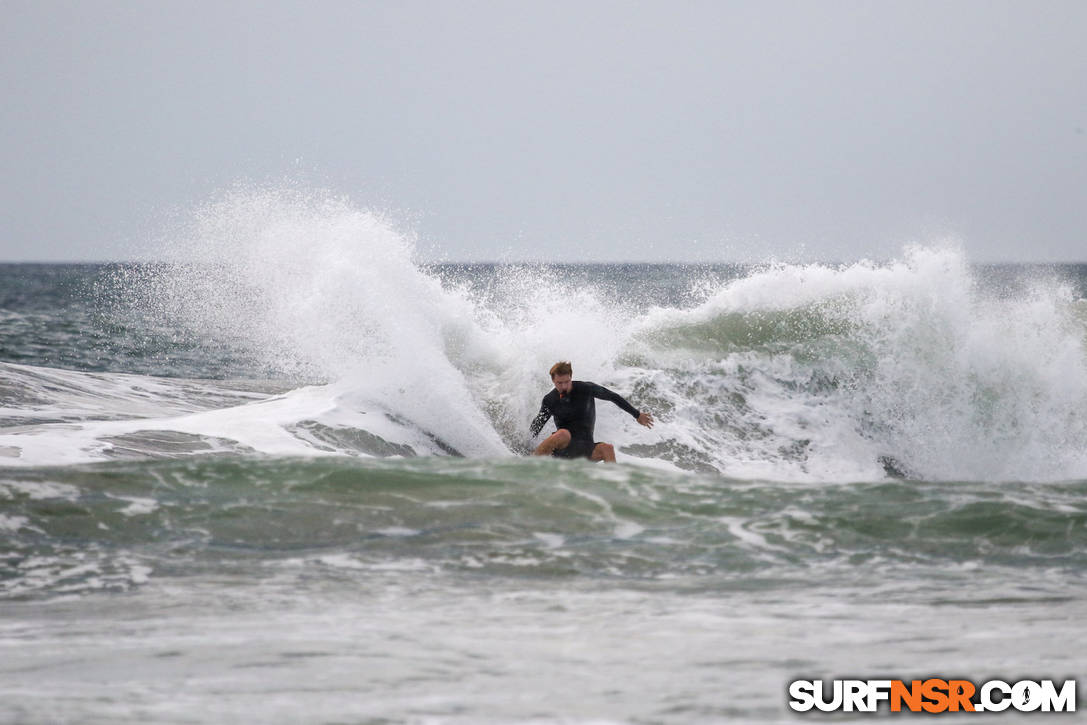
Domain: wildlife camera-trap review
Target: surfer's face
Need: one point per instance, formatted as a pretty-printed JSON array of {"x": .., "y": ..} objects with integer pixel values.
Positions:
[{"x": 562, "y": 384}]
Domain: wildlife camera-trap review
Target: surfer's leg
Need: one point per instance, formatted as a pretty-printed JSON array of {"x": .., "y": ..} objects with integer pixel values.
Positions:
[
  {"x": 604, "y": 452},
  {"x": 554, "y": 442}
]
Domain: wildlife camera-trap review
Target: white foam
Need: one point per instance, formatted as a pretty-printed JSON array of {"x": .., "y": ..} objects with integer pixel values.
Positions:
[
  {"x": 11, "y": 524},
  {"x": 551, "y": 541},
  {"x": 397, "y": 531},
  {"x": 138, "y": 506},
  {"x": 38, "y": 490}
]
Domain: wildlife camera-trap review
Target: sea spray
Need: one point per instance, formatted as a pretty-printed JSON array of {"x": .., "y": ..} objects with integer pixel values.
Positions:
[{"x": 316, "y": 289}]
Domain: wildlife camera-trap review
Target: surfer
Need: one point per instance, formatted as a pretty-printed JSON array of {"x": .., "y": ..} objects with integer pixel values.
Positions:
[{"x": 573, "y": 404}]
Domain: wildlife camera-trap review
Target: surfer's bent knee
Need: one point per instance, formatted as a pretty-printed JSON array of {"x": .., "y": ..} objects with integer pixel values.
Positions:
[
  {"x": 604, "y": 452},
  {"x": 554, "y": 442}
]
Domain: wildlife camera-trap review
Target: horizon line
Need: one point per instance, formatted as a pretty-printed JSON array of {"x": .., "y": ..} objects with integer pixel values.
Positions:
[{"x": 535, "y": 262}]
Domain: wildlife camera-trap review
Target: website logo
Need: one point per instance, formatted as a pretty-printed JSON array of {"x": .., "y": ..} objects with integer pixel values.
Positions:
[{"x": 932, "y": 695}]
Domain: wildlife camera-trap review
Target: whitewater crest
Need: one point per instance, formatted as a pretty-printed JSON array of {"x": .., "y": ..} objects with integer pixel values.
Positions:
[{"x": 922, "y": 367}]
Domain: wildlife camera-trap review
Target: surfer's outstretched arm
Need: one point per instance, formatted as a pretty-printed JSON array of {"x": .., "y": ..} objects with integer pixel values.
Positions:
[{"x": 602, "y": 393}]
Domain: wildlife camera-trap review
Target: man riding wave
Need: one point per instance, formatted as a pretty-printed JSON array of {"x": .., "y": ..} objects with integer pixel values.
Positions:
[{"x": 573, "y": 405}]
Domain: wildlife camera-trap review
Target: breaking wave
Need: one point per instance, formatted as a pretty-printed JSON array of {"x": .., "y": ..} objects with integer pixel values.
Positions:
[{"x": 922, "y": 367}]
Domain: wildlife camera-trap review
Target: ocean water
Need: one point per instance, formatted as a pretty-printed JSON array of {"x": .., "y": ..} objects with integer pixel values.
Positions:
[{"x": 280, "y": 475}]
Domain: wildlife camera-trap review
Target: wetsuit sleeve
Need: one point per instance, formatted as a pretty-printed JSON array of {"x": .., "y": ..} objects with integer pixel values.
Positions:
[
  {"x": 540, "y": 419},
  {"x": 601, "y": 393}
]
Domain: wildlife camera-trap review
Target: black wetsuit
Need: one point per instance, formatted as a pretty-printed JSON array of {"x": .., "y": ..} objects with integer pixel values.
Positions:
[{"x": 576, "y": 412}]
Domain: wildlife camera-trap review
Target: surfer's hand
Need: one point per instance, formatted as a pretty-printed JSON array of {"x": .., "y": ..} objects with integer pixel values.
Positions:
[{"x": 645, "y": 419}]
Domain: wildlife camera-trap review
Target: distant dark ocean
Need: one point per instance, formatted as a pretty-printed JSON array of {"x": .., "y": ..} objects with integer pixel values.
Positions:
[{"x": 282, "y": 477}]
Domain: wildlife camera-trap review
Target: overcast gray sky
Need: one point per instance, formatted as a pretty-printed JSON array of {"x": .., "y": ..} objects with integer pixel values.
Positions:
[{"x": 576, "y": 131}]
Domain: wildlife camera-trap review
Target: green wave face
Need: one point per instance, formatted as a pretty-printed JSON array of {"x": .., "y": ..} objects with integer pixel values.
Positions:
[{"x": 106, "y": 526}]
